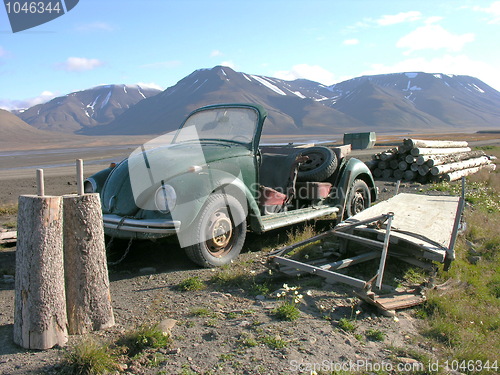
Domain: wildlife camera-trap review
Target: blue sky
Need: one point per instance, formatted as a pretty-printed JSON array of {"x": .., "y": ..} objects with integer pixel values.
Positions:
[{"x": 158, "y": 42}]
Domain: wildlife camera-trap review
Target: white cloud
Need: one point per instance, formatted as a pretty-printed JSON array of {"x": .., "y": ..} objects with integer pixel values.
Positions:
[
  {"x": 312, "y": 72},
  {"x": 10, "y": 105},
  {"x": 80, "y": 64},
  {"x": 95, "y": 26},
  {"x": 433, "y": 19},
  {"x": 399, "y": 18},
  {"x": 350, "y": 42},
  {"x": 433, "y": 37},
  {"x": 229, "y": 64},
  {"x": 216, "y": 53},
  {"x": 447, "y": 64},
  {"x": 150, "y": 85},
  {"x": 493, "y": 11},
  {"x": 3, "y": 52}
]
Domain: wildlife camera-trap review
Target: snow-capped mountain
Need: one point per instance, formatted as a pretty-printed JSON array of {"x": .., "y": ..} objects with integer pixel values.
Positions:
[
  {"x": 85, "y": 109},
  {"x": 399, "y": 102},
  {"x": 413, "y": 101},
  {"x": 294, "y": 107}
]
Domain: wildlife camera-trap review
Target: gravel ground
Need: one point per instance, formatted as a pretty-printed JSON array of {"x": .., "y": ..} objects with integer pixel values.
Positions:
[{"x": 226, "y": 328}]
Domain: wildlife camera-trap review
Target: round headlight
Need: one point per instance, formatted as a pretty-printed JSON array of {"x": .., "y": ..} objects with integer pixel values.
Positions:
[{"x": 165, "y": 198}]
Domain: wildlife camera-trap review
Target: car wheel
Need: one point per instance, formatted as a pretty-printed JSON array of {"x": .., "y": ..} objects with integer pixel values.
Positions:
[
  {"x": 358, "y": 199},
  {"x": 219, "y": 231},
  {"x": 322, "y": 164}
]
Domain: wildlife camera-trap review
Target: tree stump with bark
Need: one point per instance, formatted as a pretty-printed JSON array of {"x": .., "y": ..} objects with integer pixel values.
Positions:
[
  {"x": 40, "y": 320},
  {"x": 88, "y": 296}
]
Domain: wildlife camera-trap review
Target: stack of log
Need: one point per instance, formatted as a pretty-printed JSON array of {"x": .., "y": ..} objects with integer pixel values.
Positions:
[{"x": 429, "y": 161}]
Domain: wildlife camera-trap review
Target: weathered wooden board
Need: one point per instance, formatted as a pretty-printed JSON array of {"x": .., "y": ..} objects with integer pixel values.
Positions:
[
  {"x": 425, "y": 220},
  {"x": 8, "y": 237}
]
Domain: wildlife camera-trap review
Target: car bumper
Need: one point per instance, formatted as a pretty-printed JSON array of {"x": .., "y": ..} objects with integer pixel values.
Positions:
[{"x": 156, "y": 226}]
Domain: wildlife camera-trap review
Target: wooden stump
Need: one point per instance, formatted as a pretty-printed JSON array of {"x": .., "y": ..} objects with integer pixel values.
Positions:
[
  {"x": 40, "y": 307},
  {"x": 88, "y": 297}
]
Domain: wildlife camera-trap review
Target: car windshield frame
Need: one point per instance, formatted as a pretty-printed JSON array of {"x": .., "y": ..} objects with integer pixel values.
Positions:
[{"x": 234, "y": 124}]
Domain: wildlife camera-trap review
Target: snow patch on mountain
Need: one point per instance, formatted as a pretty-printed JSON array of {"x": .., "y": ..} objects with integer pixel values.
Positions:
[{"x": 268, "y": 84}]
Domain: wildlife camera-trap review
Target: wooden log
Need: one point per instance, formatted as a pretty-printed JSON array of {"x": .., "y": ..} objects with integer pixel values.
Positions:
[
  {"x": 404, "y": 148},
  {"x": 424, "y": 143},
  {"x": 422, "y": 159},
  {"x": 464, "y": 164},
  {"x": 387, "y": 155},
  {"x": 403, "y": 165},
  {"x": 40, "y": 305},
  {"x": 417, "y": 151},
  {"x": 409, "y": 175},
  {"x": 452, "y": 158},
  {"x": 393, "y": 164},
  {"x": 456, "y": 175},
  {"x": 423, "y": 170},
  {"x": 377, "y": 172},
  {"x": 88, "y": 297},
  {"x": 410, "y": 159},
  {"x": 383, "y": 164},
  {"x": 414, "y": 167},
  {"x": 387, "y": 173},
  {"x": 398, "y": 174}
]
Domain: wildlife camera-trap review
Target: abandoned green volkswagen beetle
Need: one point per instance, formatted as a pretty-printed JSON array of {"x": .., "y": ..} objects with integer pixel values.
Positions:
[{"x": 210, "y": 182}]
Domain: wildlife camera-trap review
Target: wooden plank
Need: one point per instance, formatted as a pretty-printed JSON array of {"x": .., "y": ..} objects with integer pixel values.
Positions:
[
  {"x": 8, "y": 235},
  {"x": 422, "y": 221},
  {"x": 394, "y": 301},
  {"x": 429, "y": 216}
]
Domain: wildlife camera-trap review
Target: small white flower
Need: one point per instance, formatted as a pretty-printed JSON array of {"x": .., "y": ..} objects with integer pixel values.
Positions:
[
  {"x": 285, "y": 286},
  {"x": 358, "y": 312},
  {"x": 396, "y": 319},
  {"x": 309, "y": 293}
]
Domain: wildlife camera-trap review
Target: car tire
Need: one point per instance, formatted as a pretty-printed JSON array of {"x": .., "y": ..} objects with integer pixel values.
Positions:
[
  {"x": 322, "y": 164},
  {"x": 358, "y": 198},
  {"x": 219, "y": 231}
]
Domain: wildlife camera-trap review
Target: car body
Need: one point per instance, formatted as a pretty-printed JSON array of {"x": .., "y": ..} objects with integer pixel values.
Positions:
[{"x": 212, "y": 182}]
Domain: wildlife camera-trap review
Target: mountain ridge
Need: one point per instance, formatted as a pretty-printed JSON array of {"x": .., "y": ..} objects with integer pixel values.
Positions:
[
  {"x": 395, "y": 102},
  {"x": 79, "y": 110}
]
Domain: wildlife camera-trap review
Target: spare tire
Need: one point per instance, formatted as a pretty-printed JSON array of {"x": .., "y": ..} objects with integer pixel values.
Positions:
[{"x": 322, "y": 164}]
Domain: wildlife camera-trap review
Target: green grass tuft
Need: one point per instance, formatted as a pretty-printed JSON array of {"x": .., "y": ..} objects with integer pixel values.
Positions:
[
  {"x": 375, "y": 334},
  {"x": 347, "y": 325},
  {"x": 287, "y": 311},
  {"x": 191, "y": 284},
  {"x": 274, "y": 342},
  {"x": 9, "y": 209},
  {"x": 144, "y": 337},
  {"x": 88, "y": 357}
]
